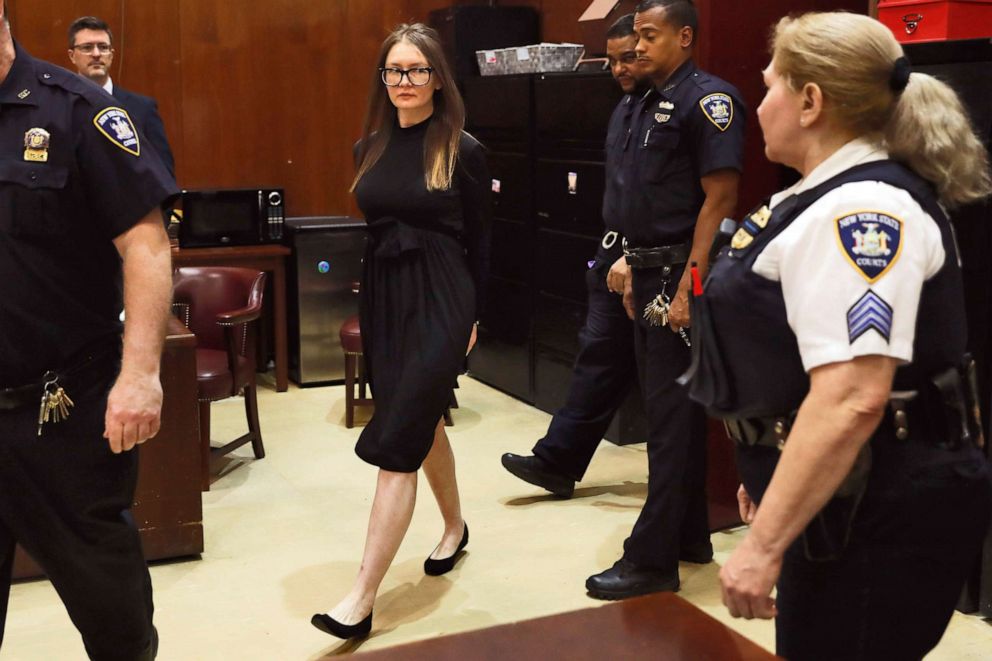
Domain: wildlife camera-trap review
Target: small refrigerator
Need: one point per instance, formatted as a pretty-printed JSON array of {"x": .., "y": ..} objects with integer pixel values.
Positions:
[{"x": 326, "y": 260}]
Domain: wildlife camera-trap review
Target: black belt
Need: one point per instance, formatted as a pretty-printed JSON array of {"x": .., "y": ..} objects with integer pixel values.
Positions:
[
  {"x": 773, "y": 430},
  {"x": 646, "y": 258},
  {"x": 20, "y": 397},
  {"x": 770, "y": 431},
  {"x": 16, "y": 398}
]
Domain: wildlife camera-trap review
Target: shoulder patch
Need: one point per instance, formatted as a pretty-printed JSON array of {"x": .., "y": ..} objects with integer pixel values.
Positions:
[
  {"x": 719, "y": 109},
  {"x": 871, "y": 312},
  {"x": 116, "y": 125},
  {"x": 871, "y": 241}
]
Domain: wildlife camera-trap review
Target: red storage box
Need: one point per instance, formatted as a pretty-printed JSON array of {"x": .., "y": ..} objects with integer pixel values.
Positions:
[{"x": 930, "y": 20}]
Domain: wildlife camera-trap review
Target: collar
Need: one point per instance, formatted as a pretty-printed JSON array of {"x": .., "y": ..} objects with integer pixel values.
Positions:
[
  {"x": 684, "y": 71},
  {"x": 109, "y": 86},
  {"x": 855, "y": 152},
  {"x": 19, "y": 88}
]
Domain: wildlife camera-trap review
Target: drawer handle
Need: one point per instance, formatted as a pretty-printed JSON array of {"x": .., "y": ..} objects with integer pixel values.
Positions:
[{"x": 912, "y": 22}]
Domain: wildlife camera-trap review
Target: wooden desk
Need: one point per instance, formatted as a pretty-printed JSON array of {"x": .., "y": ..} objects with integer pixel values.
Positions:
[
  {"x": 168, "y": 506},
  {"x": 658, "y": 626},
  {"x": 270, "y": 258}
]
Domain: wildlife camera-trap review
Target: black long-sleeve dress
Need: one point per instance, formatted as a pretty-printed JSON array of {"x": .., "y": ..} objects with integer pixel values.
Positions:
[{"x": 422, "y": 289}]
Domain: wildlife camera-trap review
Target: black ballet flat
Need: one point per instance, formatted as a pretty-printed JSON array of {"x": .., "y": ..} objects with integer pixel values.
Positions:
[
  {"x": 328, "y": 624},
  {"x": 444, "y": 565}
]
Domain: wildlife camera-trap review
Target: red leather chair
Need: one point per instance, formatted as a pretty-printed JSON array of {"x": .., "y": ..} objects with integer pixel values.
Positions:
[{"x": 218, "y": 305}]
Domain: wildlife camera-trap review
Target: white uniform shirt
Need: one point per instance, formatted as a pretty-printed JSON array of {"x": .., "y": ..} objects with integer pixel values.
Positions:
[{"x": 852, "y": 265}]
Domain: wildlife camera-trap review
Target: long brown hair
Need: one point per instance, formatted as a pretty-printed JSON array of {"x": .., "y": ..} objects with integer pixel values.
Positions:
[{"x": 446, "y": 124}]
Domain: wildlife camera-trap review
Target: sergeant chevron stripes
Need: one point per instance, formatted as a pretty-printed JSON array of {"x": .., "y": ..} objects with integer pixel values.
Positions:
[{"x": 870, "y": 312}]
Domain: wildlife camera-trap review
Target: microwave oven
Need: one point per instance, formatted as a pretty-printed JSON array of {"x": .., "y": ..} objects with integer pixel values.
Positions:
[{"x": 231, "y": 217}]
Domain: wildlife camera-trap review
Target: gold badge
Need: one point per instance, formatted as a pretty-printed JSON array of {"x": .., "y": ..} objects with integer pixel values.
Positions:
[
  {"x": 742, "y": 239},
  {"x": 761, "y": 216},
  {"x": 662, "y": 117},
  {"x": 36, "y": 143}
]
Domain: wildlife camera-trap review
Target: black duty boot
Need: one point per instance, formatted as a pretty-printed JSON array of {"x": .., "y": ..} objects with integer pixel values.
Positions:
[
  {"x": 538, "y": 472},
  {"x": 625, "y": 579}
]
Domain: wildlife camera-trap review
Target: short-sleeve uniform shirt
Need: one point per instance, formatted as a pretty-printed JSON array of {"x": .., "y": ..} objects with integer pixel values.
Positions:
[
  {"x": 73, "y": 176},
  {"x": 690, "y": 127},
  {"x": 853, "y": 264}
]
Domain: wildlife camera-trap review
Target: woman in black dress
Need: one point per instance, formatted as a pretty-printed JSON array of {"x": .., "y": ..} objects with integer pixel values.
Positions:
[{"x": 423, "y": 185}]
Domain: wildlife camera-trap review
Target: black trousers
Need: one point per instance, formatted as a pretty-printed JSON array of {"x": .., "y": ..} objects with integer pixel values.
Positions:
[
  {"x": 65, "y": 497},
  {"x": 890, "y": 592},
  {"x": 675, "y": 510},
  {"x": 601, "y": 378}
]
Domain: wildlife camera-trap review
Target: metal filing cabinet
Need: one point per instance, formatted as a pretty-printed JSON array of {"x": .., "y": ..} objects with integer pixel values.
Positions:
[
  {"x": 544, "y": 134},
  {"x": 499, "y": 114}
]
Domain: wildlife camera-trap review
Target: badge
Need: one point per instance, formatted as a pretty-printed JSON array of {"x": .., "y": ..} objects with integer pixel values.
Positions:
[
  {"x": 36, "y": 143},
  {"x": 117, "y": 126},
  {"x": 871, "y": 312},
  {"x": 761, "y": 216},
  {"x": 719, "y": 109},
  {"x": 871, "y": 242},
  {"x": 666, "y": 105},
  {"x": 661, "y": 117},
  {"x": 751, "y": 227},
  {"x": 742, "y": 239},
  {"x": 24, "y": 94}
]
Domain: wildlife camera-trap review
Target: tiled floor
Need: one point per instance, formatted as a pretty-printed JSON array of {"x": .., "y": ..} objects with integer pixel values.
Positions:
[{"x": 284, "y": 537}]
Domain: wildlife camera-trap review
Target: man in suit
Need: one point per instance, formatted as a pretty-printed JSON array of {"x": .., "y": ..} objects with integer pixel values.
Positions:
[{"x": 91, "y": 51}]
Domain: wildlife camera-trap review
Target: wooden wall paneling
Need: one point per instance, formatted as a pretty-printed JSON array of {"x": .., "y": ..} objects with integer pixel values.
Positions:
[
  {"x": 148, "y": 60},
  {"x": 42, "y": 28},
  {"x": 262, "y": 98}
]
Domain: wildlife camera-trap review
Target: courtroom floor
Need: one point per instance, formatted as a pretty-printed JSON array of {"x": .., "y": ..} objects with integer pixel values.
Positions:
[{"x": 284, "y": 538}]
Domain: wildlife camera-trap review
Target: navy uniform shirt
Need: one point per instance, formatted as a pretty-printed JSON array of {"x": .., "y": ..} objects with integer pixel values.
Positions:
[
  {"x": 73, "y": 176},
  {"x": 690, "y": 127},
  {"x": 617, "y": 136}
]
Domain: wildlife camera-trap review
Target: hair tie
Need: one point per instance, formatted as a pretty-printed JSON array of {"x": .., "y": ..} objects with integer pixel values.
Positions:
[{"x": 900, "y": 74}]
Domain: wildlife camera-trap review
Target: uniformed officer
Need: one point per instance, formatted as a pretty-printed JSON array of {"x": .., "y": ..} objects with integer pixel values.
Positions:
[
  {"x": 604, "y": 367},
  {"x": 831, "y": 333},
  {"x": 79, "y": 207},
  {"x": 681, "y": 168}
]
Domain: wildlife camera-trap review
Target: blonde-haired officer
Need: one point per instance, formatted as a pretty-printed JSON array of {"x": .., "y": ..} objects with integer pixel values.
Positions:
[{"x": 831, "y": 336}]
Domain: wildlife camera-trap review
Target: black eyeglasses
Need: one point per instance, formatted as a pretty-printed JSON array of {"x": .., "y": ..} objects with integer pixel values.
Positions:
[
  {"x": 89, "y": 48},
  {"x": 418, "y": 76}
]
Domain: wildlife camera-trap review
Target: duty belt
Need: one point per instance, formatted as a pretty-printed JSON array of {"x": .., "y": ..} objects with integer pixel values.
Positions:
[
  {"x": 646, "y": 258},
  {"x": 903, "y": 408}
]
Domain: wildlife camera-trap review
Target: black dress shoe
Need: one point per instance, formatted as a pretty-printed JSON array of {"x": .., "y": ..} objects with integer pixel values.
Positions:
[
  {"x": 624, "y": 579},
  {"x": 444, "y": 565},
  {"x": 700, "y": 553},
  {"x": 538, "y": 472},
  {"x": 328, "y": 624}
]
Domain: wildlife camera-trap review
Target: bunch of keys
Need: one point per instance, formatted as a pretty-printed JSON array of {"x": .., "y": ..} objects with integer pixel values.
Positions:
[
  {"x": 55, "y": 403},
  {"x": 656, "y": 311},
  {"x": 656, "y": 314}
]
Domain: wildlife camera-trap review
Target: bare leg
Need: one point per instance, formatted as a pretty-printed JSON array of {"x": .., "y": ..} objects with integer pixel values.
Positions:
[
  {"x": 392, "y": 509},
  {"x": 439, "y": 467}
]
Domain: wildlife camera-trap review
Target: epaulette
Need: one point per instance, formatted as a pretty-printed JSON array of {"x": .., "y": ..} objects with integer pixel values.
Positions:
[{"x": 56, "y": 76}]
